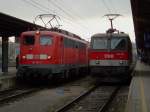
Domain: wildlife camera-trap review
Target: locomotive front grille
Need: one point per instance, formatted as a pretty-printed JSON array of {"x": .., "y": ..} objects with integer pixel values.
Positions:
[{"x": 109, "y": 69}]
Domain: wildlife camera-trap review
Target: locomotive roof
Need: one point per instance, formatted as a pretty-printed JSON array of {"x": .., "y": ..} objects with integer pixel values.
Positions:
[
  {"x": 70, "y": 35},
  {"x": 107, "y": 35}
]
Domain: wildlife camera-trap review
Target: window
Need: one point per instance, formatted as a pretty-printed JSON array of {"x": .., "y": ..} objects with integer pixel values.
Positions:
[
  {"x": 118, "y": 43},
  {"x": 100, "y": 43},
  {"x": 28, "y": 40},
  {"x": 45, "y": 40},
  {"x": 82, "y": 45},
  {"x": 70, "y": 43},
  {"x": 65, "y": 42}
]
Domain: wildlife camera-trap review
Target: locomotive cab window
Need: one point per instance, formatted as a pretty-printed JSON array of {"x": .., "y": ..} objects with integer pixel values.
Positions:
[
  {"x": 99, "y": 43},
  {"x": 45, "y": 40},
  {"x": 28, "y": 40},
  {"x": 118, "y": 43}
]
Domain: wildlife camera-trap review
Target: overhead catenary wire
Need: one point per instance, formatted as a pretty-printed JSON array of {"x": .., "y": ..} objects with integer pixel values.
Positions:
[
  {"x": 112, "y": 5},
  {"x": 42, "y": 7},
  {"x": 35, "y": 6},
  {"x": 76, "y": 15},
  {"x": 67, "y": 13},
  {"x": 61, "y": 9},
  {"x": 35, "y": 2},
  {"x": 106, "y": 6},
  {"x": 68, "y": 8},
  {"x": 45, "y": 9}
]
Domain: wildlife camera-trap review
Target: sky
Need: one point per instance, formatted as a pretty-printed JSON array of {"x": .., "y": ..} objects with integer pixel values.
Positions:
[{"x": 82, "y": 17}]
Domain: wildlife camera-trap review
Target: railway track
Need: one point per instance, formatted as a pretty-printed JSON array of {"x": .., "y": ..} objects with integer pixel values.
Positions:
[
  {"x": 96, "y": 99},
  {"x": 13, "y": 93},
  {"x": 6, "y": 90}
]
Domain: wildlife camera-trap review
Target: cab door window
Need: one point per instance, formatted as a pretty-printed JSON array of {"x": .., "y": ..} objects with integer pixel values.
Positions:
[{"x": 28, "y": 40}]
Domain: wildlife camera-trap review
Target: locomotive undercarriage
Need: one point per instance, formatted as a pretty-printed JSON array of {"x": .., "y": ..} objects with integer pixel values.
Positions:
[
  {"x": 50, "y": 72},
  {"x": 109, "y": 71}
]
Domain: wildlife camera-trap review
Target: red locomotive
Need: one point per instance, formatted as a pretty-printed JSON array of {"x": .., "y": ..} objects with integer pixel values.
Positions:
[
  {"x": 110, "y": 54},
  {"x": 51, "y": 53}
]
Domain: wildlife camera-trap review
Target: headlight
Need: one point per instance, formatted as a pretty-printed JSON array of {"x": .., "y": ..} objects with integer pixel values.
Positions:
[
  {"x": 49, "y": 57},
  {"x": 23, "y": 57}
]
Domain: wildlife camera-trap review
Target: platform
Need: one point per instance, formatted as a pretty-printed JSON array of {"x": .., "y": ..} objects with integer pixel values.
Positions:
[
  {"x": 139, "y": 93},
  {"x": 8, "y": 80}
]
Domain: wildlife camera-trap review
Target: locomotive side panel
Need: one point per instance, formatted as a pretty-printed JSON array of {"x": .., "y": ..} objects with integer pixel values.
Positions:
[
  {"x": 50, "y": 54},
  {"x": 74, "y": 54}
]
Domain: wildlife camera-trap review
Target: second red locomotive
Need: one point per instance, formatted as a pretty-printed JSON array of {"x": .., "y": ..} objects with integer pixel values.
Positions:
[
  {"x": 51, "y": 53},
  {"x": 110, "y": 54}
]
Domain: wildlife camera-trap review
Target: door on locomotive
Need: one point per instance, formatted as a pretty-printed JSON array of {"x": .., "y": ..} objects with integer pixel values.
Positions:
[{"x": 110, "y": 53}]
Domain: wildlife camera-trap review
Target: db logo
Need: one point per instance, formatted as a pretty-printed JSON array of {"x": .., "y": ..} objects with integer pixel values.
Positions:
[{"x": 108, "y": 56}]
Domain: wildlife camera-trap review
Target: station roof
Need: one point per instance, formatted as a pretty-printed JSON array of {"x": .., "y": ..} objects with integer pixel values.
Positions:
[
  {"x": 141, "y": 17},
  {"x": 12, "y": 26}
]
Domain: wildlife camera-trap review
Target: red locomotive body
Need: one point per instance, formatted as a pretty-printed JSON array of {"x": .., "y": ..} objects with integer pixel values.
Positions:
[
  {"x": 51, "y": 53},
  {"x": 110, "y": 54}
]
